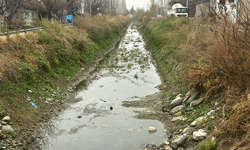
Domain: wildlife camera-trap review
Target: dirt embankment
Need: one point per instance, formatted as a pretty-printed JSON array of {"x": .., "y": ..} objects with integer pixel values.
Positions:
[
  {"x": 37, "y": 70},
  {"x": 212, "y": 61}
]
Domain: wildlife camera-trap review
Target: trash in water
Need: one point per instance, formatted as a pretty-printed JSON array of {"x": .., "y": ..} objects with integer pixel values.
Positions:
[
  {"x": 152, "y": 129},
  {"x": 33, "y": 104}
]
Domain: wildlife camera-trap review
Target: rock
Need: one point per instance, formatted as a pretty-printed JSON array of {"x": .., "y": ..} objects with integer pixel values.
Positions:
[
  {"x": 167, "y": 143},
  {"x": 4, "y": 123},
  {"x": 184, "y": 119},
  {"x": 177, "y": 101},
  {"x": 199, "y": 135},
  {"x": 180, "y": 148},
  {"x": 178, "y": 114},
  {"x": 180, "y": 140},
  {"x": 6, "y": 118},
  {"x": 8, "y": 128},
  {"x": 166, "y": 147},
  {"x": 193, "y": 124},
  {"x": 190, "y": 108},
  {"x": 190, "y": 96},
  {"x": 14, "y": 142},
  {"x": 161, "y": 87},
  {"x": 177, "y": 118},
  {"x": 152, "y": 129},
  {"x": 197, "y": 102},
  {"x": 187, "y": 130},
  {"x": 177, "y": 108},
  {"x": 210, "y": 113}
]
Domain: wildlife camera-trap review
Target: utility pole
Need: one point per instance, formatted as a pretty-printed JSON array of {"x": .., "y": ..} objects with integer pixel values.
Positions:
[
  {"x": 109, "y": 7},
  {"x": 90, "y": 8},
  {"x": 63, "y": 11},
  {"x": 37, "y": 16}
]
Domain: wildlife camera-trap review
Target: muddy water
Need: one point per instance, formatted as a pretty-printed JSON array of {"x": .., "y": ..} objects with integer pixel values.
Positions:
[{"x": 99, "y": 121}]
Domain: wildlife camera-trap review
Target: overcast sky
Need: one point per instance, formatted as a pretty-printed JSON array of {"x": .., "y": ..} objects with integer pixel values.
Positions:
[{"x": 137, "y": 3}]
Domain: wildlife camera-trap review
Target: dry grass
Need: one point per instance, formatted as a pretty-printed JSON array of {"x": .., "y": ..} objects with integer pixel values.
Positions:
[{"x": 221, "y": 66}]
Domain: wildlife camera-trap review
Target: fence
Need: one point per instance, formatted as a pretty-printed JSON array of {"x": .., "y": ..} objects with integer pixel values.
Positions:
[{"x": 26, "y": 30}]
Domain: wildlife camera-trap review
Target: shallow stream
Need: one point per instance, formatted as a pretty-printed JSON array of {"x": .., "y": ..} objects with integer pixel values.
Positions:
[{"x": 99, "y": 120}]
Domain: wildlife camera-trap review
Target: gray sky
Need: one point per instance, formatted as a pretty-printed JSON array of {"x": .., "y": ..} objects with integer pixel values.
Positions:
[{"x": 137, "y": 3}]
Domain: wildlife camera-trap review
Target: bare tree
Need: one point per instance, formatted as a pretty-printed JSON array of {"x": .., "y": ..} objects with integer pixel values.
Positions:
[
  {"x": 9, "y": 8},
  {"x": 73, "y": 5},
  {"x": 101, "y": 6},
  {"x": 53, "y": 7}
]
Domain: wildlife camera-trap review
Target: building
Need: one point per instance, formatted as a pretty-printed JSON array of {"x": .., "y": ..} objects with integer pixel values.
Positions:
[
  {"x": 220, "y": 7},
  {"x": 121, "y": 8}
]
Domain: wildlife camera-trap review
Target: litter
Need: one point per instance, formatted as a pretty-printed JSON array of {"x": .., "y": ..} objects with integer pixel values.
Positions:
[{"x": 33, "y": 104}]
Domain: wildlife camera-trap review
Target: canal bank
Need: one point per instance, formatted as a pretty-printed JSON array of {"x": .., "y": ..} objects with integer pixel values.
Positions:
[
  {"x": 124, "y": 67},
  {"x": 109, "y": 111}
]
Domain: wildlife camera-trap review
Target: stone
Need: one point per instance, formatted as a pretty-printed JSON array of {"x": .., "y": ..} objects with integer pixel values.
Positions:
[
  {"x": 197, "y": 102},
  {"x": 248, "y": 97},
  {"x": 179, "y": 141},
  {"x": 167, "y": 143},
  {"x": 177, "y": 108},
  {"x": 7, "y": 128},
  {"x": 193, "y": 124},
  {"x": 166, "y": 147},
  {"x": 177, "y": 101},
  {"x": 184, "y": 119},
  {"x": 161, "y": 87},
  {"x": 190, "y": 96},
  {"x": 180, "y": 148},
  {"x": 178, "y": 114},
  {"x": 4, "y": 123},
  {"x": 6, "y": 118},
  {"x": 190, "y": 108},
  {"x": 14, "y": 142},
  {"x": 187, "y": 130},
  {"x": 199, "y": 135},
  {"x": 152, "y": 129},
  {"x": 177, "y": 118},
  {"x": 210, "y": 113}
]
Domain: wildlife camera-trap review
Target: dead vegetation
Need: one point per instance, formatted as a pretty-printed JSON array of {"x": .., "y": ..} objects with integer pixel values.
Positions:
[{"x": 220, "y": 67}]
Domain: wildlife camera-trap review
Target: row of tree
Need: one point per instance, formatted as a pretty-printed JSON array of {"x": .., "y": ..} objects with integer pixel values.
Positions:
[{"x": 10, "y": 8}]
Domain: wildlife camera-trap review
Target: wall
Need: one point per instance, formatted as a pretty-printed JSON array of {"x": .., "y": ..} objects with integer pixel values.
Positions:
[{"x": 29, "y": 15}]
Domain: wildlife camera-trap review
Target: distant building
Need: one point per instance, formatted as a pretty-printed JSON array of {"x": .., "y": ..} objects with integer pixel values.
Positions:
[
  {"x": 220, "y": 7},
  {"x": 121, "y": 8},
  {"x": 77, "y": 7}
]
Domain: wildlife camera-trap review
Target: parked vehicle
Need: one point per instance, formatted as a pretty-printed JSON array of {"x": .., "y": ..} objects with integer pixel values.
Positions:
[
  {"x": 69, "y": 18},
  {"x": 178, "y": 11}
]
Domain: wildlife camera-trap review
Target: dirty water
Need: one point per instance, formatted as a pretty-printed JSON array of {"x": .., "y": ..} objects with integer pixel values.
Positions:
[{"x": 102, "y": 119}]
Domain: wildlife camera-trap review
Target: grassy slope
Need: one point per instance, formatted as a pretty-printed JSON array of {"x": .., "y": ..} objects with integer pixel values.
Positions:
[
  {"x": 164, "y": 39},
  {"x": 36, "y": 67},
  {"x": 169, "y": 40},
  {"x": 214, "y": 58}
]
